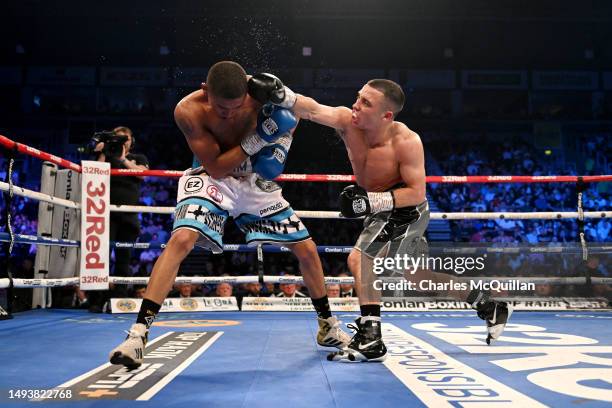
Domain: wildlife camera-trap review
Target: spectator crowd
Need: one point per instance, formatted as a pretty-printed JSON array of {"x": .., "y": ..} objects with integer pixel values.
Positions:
[{"x": 449, "y": 157}]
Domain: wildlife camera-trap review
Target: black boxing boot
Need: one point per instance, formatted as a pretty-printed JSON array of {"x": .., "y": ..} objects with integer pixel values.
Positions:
[
  {"x": 495, "y": 313},
  {"x": 366, "y": 344}
]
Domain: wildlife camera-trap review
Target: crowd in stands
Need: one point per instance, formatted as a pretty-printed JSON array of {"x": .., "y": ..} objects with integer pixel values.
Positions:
[
  {"x": 452, "y": 157},
  {"x": 507, "y": 158}
]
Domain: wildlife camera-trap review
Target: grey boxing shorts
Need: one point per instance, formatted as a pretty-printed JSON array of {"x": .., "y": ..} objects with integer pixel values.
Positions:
[{"x": 397, "y": 232}]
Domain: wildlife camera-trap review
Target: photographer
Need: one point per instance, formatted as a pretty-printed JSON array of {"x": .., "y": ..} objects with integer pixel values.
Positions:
[{"x": 114, "y": 147}]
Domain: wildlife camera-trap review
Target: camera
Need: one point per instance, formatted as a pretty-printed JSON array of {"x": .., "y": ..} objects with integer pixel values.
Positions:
[{"x": 113, "y": 144}]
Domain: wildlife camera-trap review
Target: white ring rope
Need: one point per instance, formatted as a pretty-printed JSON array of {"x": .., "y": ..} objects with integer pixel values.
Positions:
[
  {"x": 74, "y": 281},
  {"x": 24, "y": 192},
  {"x": 548, "y": 215},
  {"x": 40, "y": 283}
]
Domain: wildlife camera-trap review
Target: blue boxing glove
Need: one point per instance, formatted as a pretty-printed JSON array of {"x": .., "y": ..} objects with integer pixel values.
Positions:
[
  {"x": 270, "y": 161},
  {"x": 272, "y": 123}
]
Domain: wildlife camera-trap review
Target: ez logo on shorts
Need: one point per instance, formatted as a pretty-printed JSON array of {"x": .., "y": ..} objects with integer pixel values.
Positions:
[{"x": 193, "y": 185}]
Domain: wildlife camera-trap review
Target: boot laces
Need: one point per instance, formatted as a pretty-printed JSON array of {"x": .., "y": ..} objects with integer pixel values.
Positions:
[
  {"x": 132, "y": 334},
  {"x": 359, "y": 332}
]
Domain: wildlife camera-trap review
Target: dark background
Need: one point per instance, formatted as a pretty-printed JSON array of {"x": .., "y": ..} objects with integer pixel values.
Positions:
[
  {"x": 377, "y": 37},
  {"x": 269, "y": 34}
]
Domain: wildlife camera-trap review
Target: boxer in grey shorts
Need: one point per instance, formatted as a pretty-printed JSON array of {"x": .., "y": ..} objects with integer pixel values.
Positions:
[
  {"x": 397, "y": 232},
  {"x": 388, "y": 162}
]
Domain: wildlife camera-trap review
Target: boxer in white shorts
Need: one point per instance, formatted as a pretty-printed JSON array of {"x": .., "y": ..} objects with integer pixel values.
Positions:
[{"x": 240, "y": 144}]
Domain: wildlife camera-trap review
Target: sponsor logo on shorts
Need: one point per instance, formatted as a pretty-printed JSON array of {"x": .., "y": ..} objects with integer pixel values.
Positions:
[
  {"x": 214, "y": 193},
  {"x": 268, "y": 209},
  {"x": 266, "y": 186},
  {"x": 193, "y": 185}
]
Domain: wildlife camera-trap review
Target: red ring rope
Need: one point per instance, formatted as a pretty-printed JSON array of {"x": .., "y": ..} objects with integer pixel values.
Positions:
[{"x": 22, "y": 148}]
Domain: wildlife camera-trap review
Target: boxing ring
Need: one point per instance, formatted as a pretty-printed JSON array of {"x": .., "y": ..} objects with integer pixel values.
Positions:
[{"x": 554, "y": 357}]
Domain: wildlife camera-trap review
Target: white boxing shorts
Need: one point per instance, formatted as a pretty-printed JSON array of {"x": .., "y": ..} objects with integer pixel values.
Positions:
[{"x": 204, "y": 204}]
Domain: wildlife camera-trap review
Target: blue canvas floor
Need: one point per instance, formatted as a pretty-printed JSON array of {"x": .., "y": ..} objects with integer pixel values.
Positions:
[{"x": 271, "y": 359}]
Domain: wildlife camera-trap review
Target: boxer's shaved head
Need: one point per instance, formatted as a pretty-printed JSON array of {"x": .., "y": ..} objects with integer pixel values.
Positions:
[
  {"x": 227, "y": 80},
  {"x": 394, "y": 95}
]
